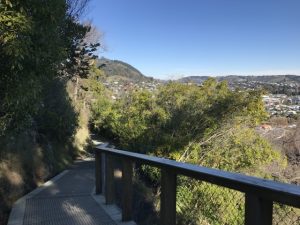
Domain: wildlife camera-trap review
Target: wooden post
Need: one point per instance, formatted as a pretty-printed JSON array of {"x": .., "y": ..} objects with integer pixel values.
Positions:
[
  {"x": 98, "y": 172},
  {"x": 258, "y": 211},
  {"x": 168, "y": 197},
  {"x": 103, "y": 173},
  {"x": 127, "y": 175},
  {"x": 109, "y": 180}
]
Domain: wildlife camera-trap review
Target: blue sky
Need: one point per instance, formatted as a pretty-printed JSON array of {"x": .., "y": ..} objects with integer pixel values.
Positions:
[{"x": 172, "y": 38}]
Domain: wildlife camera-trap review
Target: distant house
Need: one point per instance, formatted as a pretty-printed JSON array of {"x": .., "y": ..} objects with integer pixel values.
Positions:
[{"x": 295, "y": 100}]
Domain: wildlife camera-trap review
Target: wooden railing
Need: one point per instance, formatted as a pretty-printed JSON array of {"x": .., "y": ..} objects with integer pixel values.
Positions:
[{"x": 259, "y": 193}]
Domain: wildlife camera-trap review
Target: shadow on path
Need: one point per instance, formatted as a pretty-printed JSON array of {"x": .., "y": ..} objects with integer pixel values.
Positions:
[{"x": 67, "y": 201}]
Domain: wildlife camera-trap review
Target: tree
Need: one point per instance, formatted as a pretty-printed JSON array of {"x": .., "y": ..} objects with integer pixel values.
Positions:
[{"x": 39, "y": 42}]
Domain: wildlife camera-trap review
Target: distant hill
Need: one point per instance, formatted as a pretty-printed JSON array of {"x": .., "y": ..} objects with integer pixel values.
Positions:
[
  {"x": 194, "y": 79},
  {"x": 115, "y": 70},
  {"x": 266, "y": 79},
  {"x": 238, "y": 79}
]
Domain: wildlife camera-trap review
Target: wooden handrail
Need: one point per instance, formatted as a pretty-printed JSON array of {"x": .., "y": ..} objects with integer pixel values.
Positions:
[{"x": 260, "y": 193}]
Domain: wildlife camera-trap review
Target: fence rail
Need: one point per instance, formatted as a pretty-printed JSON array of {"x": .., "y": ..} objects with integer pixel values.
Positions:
[{"x": 260, "y": 194}]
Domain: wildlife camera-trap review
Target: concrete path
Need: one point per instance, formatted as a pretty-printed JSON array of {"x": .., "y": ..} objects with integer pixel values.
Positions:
[{"x": 66, "y": 200}]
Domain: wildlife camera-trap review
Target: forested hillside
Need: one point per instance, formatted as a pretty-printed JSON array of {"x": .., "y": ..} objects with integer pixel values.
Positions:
[
  {"x": 43, "y": 53},
  {"x": 115, "y": 70}
]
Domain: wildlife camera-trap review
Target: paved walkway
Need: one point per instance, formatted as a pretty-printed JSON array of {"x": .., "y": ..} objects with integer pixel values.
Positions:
[{"x": 65, "y": 200}]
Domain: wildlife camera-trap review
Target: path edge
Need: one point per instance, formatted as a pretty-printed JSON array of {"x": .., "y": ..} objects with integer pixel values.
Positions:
[
  {"x": 17, "y": 213},
  {"x": 113, "y": 211}
]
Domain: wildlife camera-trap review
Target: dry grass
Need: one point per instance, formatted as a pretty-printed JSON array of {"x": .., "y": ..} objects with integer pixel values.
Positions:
[
  {"x": 25, "y": 164},
  {"x": 82, "y": 136}
]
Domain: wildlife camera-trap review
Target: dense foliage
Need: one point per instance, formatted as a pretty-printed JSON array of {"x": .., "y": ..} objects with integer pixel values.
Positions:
[
  {"x": 39, "y": 42},
  {"x": 43, "y": 47},
  {"x": 209, "y": 125},
  {"x": 168, "y": 120}
]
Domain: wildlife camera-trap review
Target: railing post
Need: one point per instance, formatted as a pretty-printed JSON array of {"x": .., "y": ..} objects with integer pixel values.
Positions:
[
  {"x": 109, "y": 180},
  {"x": 98, "y": 172},
  {"x": 258, "y": 211},
  {"x": 168, "y": 197},
  {"x": 127, "y": 175},
  {"x": 103, "y": 173}
]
